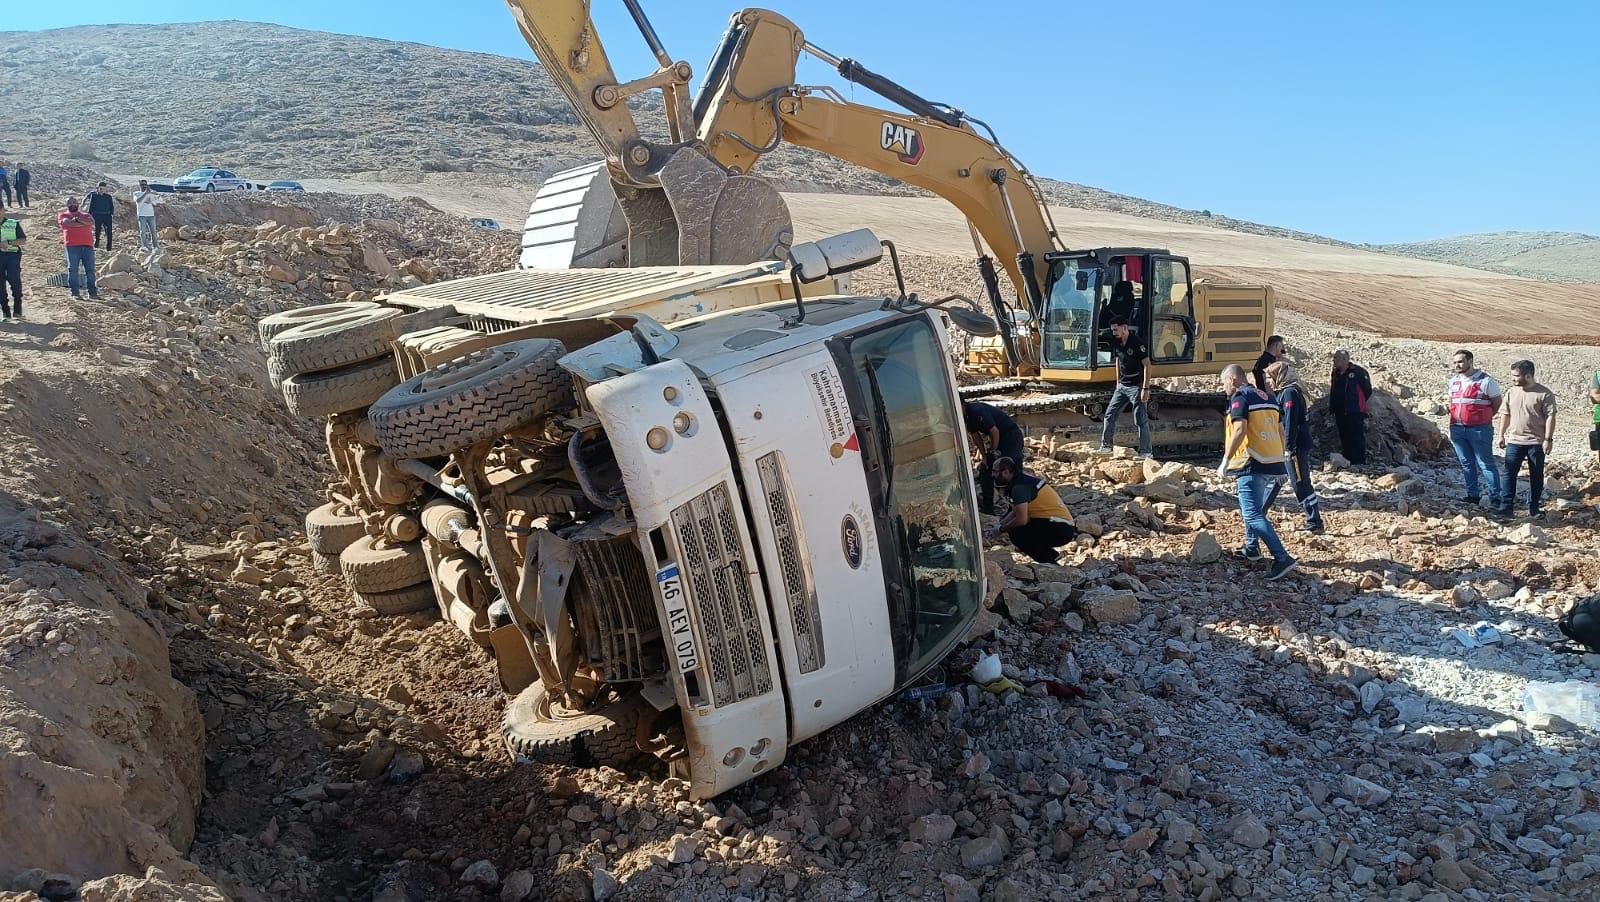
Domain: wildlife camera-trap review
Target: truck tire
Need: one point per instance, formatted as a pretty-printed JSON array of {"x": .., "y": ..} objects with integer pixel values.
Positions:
[
  {"x": 325, "y": 563},
  {"x": 275, "y": 373},
  {"x": 534, "y": 729},
  {"x": 288, "y": 319},
  {"x": 330, "y": 528},
  {"x": 401, "y": 601},
  {"x": 335, "y": 341},
  {"x": 336, "y": 391},
  {"x": 472, "y": 398},
  {"x": 373, "y": 565}
]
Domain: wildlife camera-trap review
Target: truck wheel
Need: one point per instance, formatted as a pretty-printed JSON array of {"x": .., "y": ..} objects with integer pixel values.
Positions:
[
  {"x": 325, "y": 563},
  {"x": 275, "y": 373},
  {"x": 336, "y": 391},
  {"x": 375, "y": 565},
  {"x": 335, "y": 341},
  {"x": 331, "y": 528},
  {"x": 536, "y": 727},
  {"x": 401, "y": 601},
  {"x": 288, "y": 319},
  {"x": 472, "y": 398}
]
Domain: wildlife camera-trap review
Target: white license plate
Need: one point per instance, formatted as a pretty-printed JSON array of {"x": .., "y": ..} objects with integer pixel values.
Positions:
[{"x": 680, "y": 633}]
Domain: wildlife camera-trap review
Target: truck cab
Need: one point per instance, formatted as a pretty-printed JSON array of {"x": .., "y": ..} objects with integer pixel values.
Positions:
[{"x": 691, "y": 512}]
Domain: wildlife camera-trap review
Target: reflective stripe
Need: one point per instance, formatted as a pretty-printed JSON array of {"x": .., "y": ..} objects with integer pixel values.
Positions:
[{"x": 1470, "y": 402}]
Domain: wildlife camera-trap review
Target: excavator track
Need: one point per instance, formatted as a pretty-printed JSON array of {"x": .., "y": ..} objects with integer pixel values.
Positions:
[{"x": 1183, "y": 425}]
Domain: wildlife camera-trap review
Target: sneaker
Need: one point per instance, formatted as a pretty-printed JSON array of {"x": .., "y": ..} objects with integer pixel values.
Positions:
[
  {"x": 1103, "y": 449},
  {"x": 1281, "y": 568},
  {"x": 1537, "y": 515},
  {"x": 94, "y": 295},
  {"x": 1141, "y": 456},
  {"x": 1249, "y": 553},
  {"x": 1316, "y": 528}
]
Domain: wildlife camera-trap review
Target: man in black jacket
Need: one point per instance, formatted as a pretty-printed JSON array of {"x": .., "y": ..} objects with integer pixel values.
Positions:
[
  {"x": 1347, "y": 398},
  {"x": 1000, "y": 436},
  {"x": 1284, "y": 382},
  {"x": 1271, "y": 355},
  {"x": 22, "y": 177},
  {"x": 101, "y": 205}
]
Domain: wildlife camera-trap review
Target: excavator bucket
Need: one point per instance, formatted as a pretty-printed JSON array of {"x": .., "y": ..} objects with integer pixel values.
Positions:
[{"x": 700, "y": 215}]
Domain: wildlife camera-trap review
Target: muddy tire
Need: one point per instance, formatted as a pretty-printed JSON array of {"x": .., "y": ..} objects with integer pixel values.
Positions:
[
  {"x": 533, "y": 728},
  {"x": 331, "y": 528},
  {"x": 401, "y": 601},
  {"x": 476, "y": 397},
  {"x": 373, "y": 565},
  {"x": 325, "y": 563},
  {"x": 272, "y": 325},
  {"x": 275, "y": 373},
  {"x": 336, "y": 391},
  {"x": 335, "y": 341}
]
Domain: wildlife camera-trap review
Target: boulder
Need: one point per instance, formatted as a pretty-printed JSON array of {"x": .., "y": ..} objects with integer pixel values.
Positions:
[
  {"x": 1111, "y": 607},
  {"x": 117, "y": 281},
  {"x": 1205, "y": 549}
]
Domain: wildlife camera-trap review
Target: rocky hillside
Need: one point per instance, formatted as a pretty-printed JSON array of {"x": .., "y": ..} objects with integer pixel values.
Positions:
[
  {"x": 1561, "y": 256},
  {"x": 275, "y": 102}
]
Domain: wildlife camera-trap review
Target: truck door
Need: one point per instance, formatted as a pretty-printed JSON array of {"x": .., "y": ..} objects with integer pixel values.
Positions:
[{"x": 1172, "y": 322}]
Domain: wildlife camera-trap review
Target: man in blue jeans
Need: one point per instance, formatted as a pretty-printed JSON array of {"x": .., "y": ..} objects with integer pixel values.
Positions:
[
  {"x": 77, "y": 233},
  {"x": 1255, "y": 458},
  {"x": 1527, "y": 432},
  {"x": 1475, "y": 398},
  {"x": 1133, "y": 387}
]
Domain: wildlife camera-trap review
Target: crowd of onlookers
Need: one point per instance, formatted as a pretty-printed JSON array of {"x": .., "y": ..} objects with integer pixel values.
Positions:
[{"x": 84, "y": 224}]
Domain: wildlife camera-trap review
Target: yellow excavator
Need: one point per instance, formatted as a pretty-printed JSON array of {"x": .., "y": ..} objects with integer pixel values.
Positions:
[{"x": 690, "y": 197}]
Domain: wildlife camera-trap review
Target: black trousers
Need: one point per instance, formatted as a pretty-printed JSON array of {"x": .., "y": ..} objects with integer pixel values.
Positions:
[
  {"x": 1304, "y": 491},
  {"x": 1515, "y": 455},
  {"x": 11, "y": 275},
  {"x": 5, "y": 188},
  {"x": 1039, "y": 539},
  {"x": 1352, "y": 436},
  {"x": 102, "y": 221},
  {"x": 1009, "y": 447},
  {"x": 22, "y": 193}
]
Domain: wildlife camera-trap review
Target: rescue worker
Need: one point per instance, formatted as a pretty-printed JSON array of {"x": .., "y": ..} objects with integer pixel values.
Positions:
[
  {"x": 12, "y": 238},
  {"x": 999, "y": 436},
  {"x": 1133, "y": 387},
  {"x": 1284, "y": 381},
  {"x": 1475, "y": 398},
  {"x": 1347, "y": 398},
  {"x": 1038, "y": 523},
  {"x": 1272, "y": 354},
  {"x": 1254, "y": 458},
  {"x": 1527, "y": 433}
]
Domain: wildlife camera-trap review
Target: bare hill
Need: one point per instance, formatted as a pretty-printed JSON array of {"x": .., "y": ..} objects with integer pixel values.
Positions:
[
  {"x": 1562, "y": 256},
  {"x": 276, "y": 102}
]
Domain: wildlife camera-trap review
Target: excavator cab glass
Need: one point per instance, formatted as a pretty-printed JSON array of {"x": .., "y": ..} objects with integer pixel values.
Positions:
[
  {"x": 1172, "y": 323},
  {"x": 1069, "y": 326}
]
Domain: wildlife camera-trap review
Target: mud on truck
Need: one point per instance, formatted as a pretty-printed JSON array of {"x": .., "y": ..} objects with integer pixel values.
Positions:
[{"x": 692, "y": 512}]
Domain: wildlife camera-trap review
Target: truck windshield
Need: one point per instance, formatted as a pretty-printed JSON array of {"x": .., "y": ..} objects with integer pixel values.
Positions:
[{"x": 922, "y": 489}]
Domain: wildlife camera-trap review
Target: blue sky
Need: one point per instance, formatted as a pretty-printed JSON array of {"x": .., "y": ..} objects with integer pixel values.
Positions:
[{"x": 1368, "y": 121}]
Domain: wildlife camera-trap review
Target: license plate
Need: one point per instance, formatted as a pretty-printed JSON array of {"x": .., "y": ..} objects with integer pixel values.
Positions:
[{"x": 680, "y": 633}]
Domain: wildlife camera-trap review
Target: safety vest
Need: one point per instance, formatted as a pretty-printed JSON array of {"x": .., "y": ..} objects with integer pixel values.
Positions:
[
  {"x": 1470, "y": 401},
  {"x": 1047, "y": 505},
  {"x": 1263, "y": 432},
  {"x": 8, "y": 233}
]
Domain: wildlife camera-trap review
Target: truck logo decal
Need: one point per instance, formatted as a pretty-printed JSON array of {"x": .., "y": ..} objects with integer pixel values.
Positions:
[
  {"x": 833, "y": 412},
  {"x": 903, "y": 141},
  {"x": 850, "y": 537}
]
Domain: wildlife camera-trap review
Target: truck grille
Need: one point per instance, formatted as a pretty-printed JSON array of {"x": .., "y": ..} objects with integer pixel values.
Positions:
[
  {"x": 719, "y": 592},
  {"x": 798, "y": 591},
  {"x": 616, "y": 610}
]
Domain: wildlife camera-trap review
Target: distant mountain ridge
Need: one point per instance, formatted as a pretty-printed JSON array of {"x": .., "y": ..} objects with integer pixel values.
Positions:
[{"x": 1557, "y": 256}]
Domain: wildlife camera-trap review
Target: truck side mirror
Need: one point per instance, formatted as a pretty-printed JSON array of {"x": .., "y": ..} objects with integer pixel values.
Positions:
[{"x": 972, "y": 322}]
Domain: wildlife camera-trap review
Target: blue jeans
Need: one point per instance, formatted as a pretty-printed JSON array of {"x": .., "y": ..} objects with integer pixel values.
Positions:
[
  {"x": 1253, "y": 491},
  {"x": 1475, "y": 451},
  {"x": 83, "y": 256},
  {"x": 1515, "y": 456}
]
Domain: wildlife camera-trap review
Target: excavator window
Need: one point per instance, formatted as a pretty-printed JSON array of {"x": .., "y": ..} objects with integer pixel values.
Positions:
[
  {"x": 1172, "y": 323},
  {"x": 1069, "y": 314}
]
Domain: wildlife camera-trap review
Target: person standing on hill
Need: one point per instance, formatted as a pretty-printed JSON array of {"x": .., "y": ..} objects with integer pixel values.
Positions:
[
  {"x": 11, "y": 240},
  {"x": 77, "y": 233},
  {"x": 1255, "y": 458},
  {"x": 1272, "y": 354},
  {"x": 1133, "y": 387},
  {"x": 1347, "y": 398},
  {"x": 1475, "y": 398},
  {"x": 102, "y": 206},
  {"x": 1284, "y": 381},
  {"x": 1594, "y": 398},
  {"x": 1001, "y": 437},
  {"x": 144, "y": 206},
  {"x": 5, "y": 186},
  {"x": 23, "y": 176},
  {"x": 1527, "y": 433}
]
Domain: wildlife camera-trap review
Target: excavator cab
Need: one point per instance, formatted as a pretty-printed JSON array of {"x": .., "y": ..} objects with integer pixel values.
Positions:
[{"x": 1088, "y": 290}]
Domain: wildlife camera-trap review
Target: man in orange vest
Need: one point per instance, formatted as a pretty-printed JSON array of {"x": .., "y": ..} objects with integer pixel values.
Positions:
[
  {"x": 1255, "y": 458},
  {"x": 1475, "y": 398}
]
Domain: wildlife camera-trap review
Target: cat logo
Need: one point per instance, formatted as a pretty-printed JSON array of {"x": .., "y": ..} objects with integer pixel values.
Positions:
[{"x": 903, "y": 141}]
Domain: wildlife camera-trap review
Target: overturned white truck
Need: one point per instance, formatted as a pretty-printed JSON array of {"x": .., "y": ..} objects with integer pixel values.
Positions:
[{"x": 689, "y": 512}]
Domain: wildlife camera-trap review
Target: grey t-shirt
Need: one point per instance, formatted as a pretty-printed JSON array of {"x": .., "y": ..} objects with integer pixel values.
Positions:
[{"x": 1530, "y": 410}]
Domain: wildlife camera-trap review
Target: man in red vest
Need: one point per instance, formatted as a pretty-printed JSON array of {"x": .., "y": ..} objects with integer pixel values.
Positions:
[{"x": 1474, "y": 400}]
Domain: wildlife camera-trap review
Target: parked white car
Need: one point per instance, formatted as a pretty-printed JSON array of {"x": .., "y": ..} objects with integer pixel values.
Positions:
[
  {"x": 484, "y": 223},
  {"x": 209, "y": 179}
]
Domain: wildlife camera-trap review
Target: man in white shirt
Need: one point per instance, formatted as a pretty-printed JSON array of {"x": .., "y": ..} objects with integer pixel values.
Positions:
[
  {"x": 1475, "y": 399},
  {"x": 144, "y": 201}
]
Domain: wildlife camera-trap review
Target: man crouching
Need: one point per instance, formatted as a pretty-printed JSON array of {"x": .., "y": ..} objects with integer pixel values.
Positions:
[{"x": 1038, "y": 523}]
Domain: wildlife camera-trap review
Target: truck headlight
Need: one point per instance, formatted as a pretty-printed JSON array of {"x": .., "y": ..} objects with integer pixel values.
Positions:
[{"x": 656, "y": 438}]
